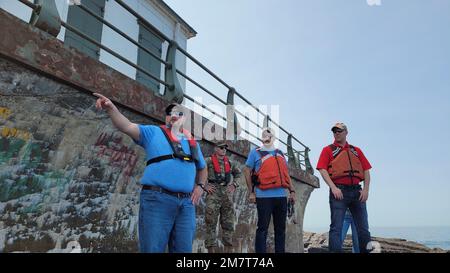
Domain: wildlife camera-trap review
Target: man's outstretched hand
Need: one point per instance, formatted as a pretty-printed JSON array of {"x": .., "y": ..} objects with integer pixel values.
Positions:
[{"x": 103, "y": 102}]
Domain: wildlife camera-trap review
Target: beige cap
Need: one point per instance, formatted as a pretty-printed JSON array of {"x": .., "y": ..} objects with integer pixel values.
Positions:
[
  {"x": 339, "y": 125},
  {"x": 222, "y": 144}
]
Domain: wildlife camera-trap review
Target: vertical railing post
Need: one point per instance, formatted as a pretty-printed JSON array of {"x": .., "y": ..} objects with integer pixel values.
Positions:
[
  {"x": 299, "y": 160},
  {"x": 233, "y": 127},
  {"x": 308, "y": 166},
  {"x": 266, "y": 121},
  {"x": 46, "y": 17},
  {"x": 290, "y": 152},
  {"x": 173, "y": 92}
]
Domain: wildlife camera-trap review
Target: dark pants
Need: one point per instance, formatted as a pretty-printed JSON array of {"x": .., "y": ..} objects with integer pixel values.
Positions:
[
  {"x": 276, "y": 206},
  {"x": 359, "y": 214}
]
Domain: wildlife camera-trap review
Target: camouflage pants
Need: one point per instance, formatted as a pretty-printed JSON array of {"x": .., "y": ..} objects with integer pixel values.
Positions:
[{"x": 219, "y": 205}]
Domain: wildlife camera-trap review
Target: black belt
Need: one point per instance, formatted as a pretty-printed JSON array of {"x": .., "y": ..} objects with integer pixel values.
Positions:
[
  {"x": 349, "y": 187},
  {"x": 159, "y": 189}
]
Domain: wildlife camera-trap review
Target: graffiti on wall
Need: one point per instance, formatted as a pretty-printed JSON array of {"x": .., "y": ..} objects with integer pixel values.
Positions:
[
  {"x": 7, "y": 132},
  {"x": 111, "y": 146},
  {"x": 88, "y": 196},
  {"x": 4, "y": 112},
  {"x": 25, "y": 169}
]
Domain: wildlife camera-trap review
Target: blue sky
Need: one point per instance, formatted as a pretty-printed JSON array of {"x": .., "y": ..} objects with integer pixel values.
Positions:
[{"x": 383, "y": 70}]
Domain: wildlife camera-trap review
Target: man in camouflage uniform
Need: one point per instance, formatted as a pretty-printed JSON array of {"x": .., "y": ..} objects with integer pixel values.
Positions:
[{"x": 222, "y": 175}]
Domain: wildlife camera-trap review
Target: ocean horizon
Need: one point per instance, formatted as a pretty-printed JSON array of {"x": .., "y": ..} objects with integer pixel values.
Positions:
[{"x": 431, "y": 236}]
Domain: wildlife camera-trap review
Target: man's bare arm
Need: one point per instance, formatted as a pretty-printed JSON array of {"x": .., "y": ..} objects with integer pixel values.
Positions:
[
  {"x": 120, "y": 121},
  {"x": 248, "y": 180},
  {"x": 335, "y": 190},
  {"x": 365, "y": 191},
  {"x": 202, "y": 176}
]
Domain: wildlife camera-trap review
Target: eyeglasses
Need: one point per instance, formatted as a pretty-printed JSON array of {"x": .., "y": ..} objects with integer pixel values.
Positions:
[{"x": 177, "y": 114}]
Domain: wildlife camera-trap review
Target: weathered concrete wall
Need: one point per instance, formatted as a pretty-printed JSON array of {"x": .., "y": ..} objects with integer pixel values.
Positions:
[{"x": 66, "y": 173}]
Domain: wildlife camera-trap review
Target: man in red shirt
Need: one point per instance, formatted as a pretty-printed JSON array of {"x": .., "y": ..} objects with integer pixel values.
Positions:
[{"x": 343, "y": 167}]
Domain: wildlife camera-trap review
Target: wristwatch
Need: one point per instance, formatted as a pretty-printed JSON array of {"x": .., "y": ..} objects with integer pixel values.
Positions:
[{"x": 202, "y": 185}]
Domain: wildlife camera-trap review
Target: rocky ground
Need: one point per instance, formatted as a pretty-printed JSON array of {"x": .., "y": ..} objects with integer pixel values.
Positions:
[{"x": 318, "y": 243}]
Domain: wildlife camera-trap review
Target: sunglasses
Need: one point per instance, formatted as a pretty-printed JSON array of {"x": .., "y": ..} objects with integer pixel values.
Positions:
[
  {"x": 222, "y": 148},
  {"x": 178, "y": 114},
  {"x": 337, "y": 131}
]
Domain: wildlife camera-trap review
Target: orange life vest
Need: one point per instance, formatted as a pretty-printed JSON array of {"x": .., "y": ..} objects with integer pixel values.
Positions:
[
  {"x": 273, "y": 172},
  {"x": 218, "y": 172},
  {"x": 345, "y": 163},
  {"x": 175, "y": 144}
]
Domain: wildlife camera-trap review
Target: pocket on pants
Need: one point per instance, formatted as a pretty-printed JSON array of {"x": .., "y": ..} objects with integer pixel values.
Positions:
[
  {"x": 335, "y": 203},
  {"x": 149, "y": 195}
]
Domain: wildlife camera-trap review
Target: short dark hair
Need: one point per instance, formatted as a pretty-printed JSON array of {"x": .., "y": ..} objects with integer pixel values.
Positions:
[{"x": 169, "y": 108}]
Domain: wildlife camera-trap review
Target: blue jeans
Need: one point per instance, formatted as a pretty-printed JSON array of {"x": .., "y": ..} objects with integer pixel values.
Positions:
[
  {"x": 348, "y": 221},
  {"x": 165, "y": 220},
  {"x": 276, "y": 206},
  {"x": 359, "y": 214}
]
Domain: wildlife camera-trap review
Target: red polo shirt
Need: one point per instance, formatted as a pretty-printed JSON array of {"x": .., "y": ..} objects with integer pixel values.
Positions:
[{"x": 327, "y": 156}]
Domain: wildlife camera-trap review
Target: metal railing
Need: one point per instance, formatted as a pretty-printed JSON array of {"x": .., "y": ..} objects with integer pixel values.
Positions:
[{"x": 173, "y": 91}]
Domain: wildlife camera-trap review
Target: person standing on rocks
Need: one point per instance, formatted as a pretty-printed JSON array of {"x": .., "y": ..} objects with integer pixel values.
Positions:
[
  {"x": 169, "y": 190},
  {"x": 343, "y": 167},
  {"x": 222, "y": 175},
  {"x": 267, "y": 176}
]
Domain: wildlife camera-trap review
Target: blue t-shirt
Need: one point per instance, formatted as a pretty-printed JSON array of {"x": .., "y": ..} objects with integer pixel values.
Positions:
[
  {"x": 172, "y": 174},
  {"x": 254, "y": 161}
]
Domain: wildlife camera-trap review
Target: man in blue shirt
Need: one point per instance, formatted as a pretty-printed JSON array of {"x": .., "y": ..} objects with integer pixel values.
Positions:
[
  {"x": 169, "y": 194},
  {"x": 269, "y": 193}
]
